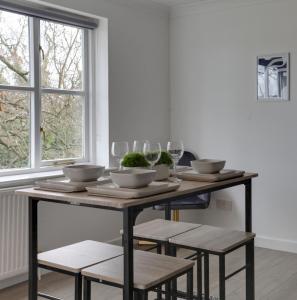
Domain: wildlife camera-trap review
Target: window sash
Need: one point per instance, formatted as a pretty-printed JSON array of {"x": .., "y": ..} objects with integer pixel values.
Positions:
[
  {"x": 36, "y": 163},
  {"x": 48, "y": 13}
]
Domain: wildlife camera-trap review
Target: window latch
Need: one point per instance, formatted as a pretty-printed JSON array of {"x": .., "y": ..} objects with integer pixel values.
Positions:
[
  {"x": 42, "y": 52},
  {"x": 42, "y": 132}
]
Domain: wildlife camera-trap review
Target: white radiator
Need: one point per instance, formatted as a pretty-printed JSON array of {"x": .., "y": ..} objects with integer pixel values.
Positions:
[{"x": 13, "y": 234}]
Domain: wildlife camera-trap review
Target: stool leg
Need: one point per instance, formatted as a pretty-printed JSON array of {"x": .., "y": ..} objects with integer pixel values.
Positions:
[
  {"x": 190, "y": 285},
  {"x": 206, "y": 276},
  {"x": 168, "y": 283},
  {"x": 168, "y": 290},
  {"x": 78, "y": 291},
  {"x": 159, "y": 294},
  {"x": 250, "y": 270},
  {"x": 143, "y": 295},
  {"x": 222, "y": 278},
  {"x": 174, "y": 281},
  {"x": 87, "y": 289},
  {"x": 199, "y": 275}
]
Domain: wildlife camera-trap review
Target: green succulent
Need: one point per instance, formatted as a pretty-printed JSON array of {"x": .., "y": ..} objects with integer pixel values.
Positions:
[
  {"x": 165, "y": 159},
  {"x": 134, "y": 159}
]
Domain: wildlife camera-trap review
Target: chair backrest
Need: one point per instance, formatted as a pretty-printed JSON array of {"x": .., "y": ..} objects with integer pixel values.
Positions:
[
  {"x": 202, "y": 201},
  {"x": 193, "y": 202},
  {"x": 186, "y": 159}
]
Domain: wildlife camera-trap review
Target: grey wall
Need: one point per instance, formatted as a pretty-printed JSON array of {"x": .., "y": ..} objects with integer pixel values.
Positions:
[
  {"x": 214, "y": 109},
  {"x": 139, "y": 104}
]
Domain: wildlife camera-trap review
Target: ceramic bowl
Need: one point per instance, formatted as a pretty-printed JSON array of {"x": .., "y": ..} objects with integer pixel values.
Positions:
[
  {"x": 208, "y": 166},
  {"x": 133, "y": 178},
  {"x": 83, "y": 173}
]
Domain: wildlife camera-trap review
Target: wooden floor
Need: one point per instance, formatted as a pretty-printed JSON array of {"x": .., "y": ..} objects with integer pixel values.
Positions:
[{"x": 276, "y": 279}]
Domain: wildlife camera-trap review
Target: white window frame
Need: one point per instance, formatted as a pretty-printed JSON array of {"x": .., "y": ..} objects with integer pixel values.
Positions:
[{"x": 35, "y": 89}]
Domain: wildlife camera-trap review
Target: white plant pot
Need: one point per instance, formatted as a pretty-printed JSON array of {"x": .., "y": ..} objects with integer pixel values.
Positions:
[{"x": 163, "y": 172}]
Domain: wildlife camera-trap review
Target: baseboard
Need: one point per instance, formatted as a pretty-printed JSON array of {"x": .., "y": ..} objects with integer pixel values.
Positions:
[
  {"x": 13, "y": 281},
  {"x": 276, "y": 244}
]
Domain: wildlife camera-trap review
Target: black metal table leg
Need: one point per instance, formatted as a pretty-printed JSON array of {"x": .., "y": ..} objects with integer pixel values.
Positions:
[
  {"x": 222, "y": 277},
  {"x": 248, "y": 206},
  {"x": 33, "y": 248},
  {"x": 128, "y": 222},
  {"x": 250, "y": 271},
  {"x": 206, "y": 276}
]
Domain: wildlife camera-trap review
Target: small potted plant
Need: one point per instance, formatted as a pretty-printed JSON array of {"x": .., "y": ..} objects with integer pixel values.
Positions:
[
  {"x": 137, "y": 160},
  {"x": 163, "y": 166},
  {"x": 134, "y": 160}
]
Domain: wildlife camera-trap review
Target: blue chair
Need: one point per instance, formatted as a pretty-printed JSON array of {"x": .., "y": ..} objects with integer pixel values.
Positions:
[{"x": 193, "y": 202}]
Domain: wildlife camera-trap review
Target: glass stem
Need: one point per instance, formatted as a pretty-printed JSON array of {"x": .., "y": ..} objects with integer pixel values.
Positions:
[{"x": 174, "y": 169}]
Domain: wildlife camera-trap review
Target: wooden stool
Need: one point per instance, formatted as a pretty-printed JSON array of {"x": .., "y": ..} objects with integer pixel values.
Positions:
[
  {"x": 150, "y": 271},
  {"x": 70, "y": 260},
  {"x": 208, "y": 240},
  {"x": 159, "y": 231}
]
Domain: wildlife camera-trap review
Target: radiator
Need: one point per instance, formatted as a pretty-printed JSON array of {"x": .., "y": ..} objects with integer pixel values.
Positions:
[{"x": 13, "y": 234}]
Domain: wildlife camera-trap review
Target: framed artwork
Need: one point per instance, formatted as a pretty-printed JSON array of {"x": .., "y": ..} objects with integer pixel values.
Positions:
[{"x": 273, "y": 77}]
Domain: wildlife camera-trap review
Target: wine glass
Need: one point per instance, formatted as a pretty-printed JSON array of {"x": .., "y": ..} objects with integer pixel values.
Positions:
[
  {"x": 119, "y": 150},
  {"x": 138, "y": 146},
  {"x": 152, "y": 152},
  {"x": 176, "y": 151}
]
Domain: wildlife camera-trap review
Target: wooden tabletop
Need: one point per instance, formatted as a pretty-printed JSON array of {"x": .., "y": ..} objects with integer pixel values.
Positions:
[{"x": 186, "y": 187}]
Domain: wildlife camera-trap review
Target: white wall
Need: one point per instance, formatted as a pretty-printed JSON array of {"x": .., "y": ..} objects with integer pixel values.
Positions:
[
  {"x": 138, "y": 104},
  {"x": 214, "y": 109}
]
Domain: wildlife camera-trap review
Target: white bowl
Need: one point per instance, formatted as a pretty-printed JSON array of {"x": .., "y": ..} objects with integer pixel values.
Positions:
[
  {"x": 83, "y": 173},
  {"x": 133, "y": 178},
  {"x": 208, "y": 166}
]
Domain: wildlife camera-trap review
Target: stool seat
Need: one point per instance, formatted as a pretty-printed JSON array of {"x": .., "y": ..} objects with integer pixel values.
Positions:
[
  {"x": 75, "y": 257},
  {"x": 150, "y": 269},
  {"x": 161, "y": 230},
  {"x": 212, "y": 239}
]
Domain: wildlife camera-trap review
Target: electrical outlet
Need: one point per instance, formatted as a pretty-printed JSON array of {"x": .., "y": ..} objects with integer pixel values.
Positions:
[{"x": 224, "y": 204}]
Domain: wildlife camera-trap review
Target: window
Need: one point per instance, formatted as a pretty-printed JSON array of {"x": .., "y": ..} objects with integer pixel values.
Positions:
[{"x": 44, "y": 92}]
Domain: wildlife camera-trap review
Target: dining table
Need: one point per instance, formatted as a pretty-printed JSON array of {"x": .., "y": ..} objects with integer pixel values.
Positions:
[{"x": 129, "y": 209}]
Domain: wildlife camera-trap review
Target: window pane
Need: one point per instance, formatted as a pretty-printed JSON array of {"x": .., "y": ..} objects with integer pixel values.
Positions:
[
  {"x": 14, "y": 49},
  {"x": 62, "y": 124},
  {"x": 14, "y": 129},
  {"x": 61, "y": 56}
]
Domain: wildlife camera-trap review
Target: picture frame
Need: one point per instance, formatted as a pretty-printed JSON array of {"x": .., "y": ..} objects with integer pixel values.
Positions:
[{"x": 273, "y": 77}]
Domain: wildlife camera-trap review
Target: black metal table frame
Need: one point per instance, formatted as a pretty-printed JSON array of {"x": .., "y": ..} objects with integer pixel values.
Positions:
[{"x": 129, "y": 216}]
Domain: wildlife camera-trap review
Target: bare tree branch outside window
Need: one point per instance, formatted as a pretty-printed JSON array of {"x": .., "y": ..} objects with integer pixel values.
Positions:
[{"x": 61, "y": 69}]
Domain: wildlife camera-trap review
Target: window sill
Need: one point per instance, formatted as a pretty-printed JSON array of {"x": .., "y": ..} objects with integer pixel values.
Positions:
[{"x": 27, "y": 179}]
